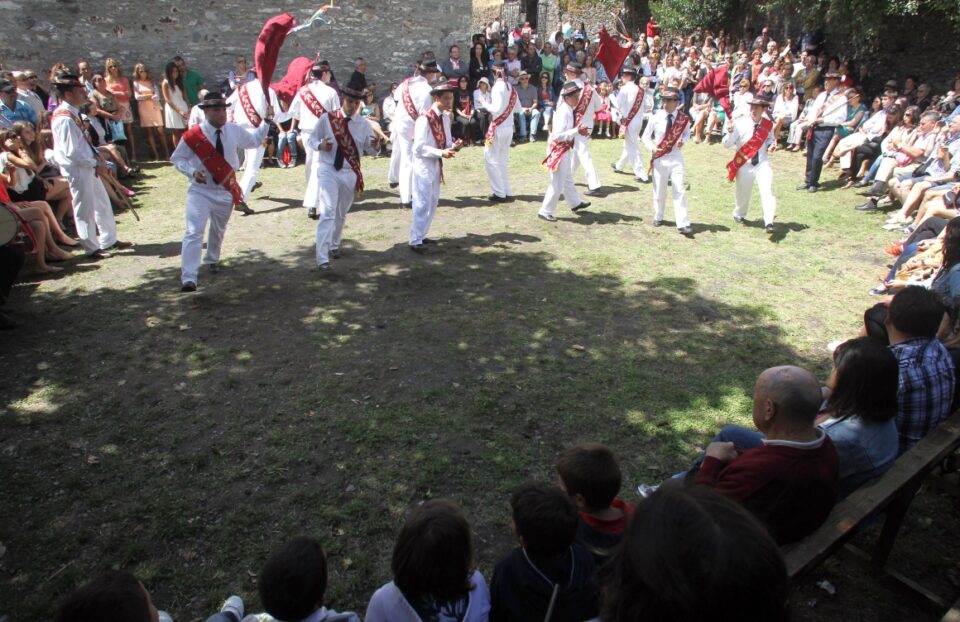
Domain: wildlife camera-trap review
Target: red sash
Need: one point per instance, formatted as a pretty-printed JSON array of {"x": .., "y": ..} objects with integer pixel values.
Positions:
[
  {"x": 633, "y": 112},
  {"x": 670, "y": 138},
  {"x": 750, "y": 148},
  {"x": 439, "y": 133},
  {"x": 221, "y": 171},
  {"x": 312, "y": 103},
  {"x": 407, "y": 100},
  {"x": 582, "y": 104},
  {"x": 248, "y": 107},
  {"x": 506, "y": 114},
  {"x": 338, "y": 123},
  {"x": 558, "y": 149}
]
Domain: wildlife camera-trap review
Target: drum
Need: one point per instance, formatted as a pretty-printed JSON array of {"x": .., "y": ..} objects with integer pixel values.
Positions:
[{"x": 9, "y": 225}]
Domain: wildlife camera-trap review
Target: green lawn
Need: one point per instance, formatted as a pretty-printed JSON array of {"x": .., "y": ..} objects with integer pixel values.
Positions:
[{"x": 185, "y": 436}]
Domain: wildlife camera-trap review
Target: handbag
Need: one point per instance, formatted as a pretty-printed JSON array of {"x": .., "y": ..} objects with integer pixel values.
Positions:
[
  {"x": 902, "y": 158},
  {"x": 921, "y": 170},
  {"x": 116, "y": 131}
]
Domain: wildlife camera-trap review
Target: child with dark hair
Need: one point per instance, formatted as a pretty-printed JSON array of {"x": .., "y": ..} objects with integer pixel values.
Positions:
[
  {"x": 293, "y": 583},
  {"x": 691, "y": 555},
  {"x": 589, "y": 473},
  {"x": 549, "y": 576},
  {"x": 114, "y": 596},
  {"x": 434, "y": 578}
]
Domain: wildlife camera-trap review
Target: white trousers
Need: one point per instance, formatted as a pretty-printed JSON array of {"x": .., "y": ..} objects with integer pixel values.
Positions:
[
  {"x": 561, "y": 183},
  {"x": 581, "y": 157},
  {"x": 201, "y": 209},
  {"x": 252, "y": 159},
  {"x": 670, "y": 167},
  {"x": 763, "y": 174},
  {"x": 393, "y": 173},
  {"x": 496, "y": 160},
  {"x": 848, "y": 145},
  {"x": 405, "y": 172},
  {"x": 310, "y": 168},
  {"x": 426, "y": 196},
  {"x": 337, "y": 191},
  {"x": 91, "y": 209},
  {"x": 797, "y": 133},
  {"x": 631, "y": 151}
]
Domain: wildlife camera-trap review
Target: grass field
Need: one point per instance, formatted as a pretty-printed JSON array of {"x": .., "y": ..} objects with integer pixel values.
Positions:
[{"x": 185, "y": 436}]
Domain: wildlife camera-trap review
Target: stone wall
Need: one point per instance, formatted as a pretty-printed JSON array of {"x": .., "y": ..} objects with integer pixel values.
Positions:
[{"x": 390, "y": 34}]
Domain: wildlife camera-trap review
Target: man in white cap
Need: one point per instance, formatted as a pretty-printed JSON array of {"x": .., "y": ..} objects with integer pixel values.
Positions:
[
  {"x": 589, "y": 104},
  {"x": 432, "y": 143},
  {"x": 752, "y": 136},
  {"x": 504, "y": 103},
  {"x": 559, "y": 162},
  {"x": 312, "y": 101},
  {"x": 339, "y": 137},
  {"x": 630, "y": 101},
  {"x": 207, "y": 155},
  {"x": 414, "y": 100},
  {"x": 666, "y": 133}
]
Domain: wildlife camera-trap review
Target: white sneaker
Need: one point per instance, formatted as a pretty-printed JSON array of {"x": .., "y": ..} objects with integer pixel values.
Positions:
[
  {"x": 233, "y": 607},
  {"x": 645, "y": 490}
]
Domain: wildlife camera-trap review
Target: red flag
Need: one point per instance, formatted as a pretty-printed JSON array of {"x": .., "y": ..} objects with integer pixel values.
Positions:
[
  {"x": 268, "y": 46},
  {"x": 716, "y": 84},
  {"x": 298, "y": 74},
  {"x": 611, "y": 54}
]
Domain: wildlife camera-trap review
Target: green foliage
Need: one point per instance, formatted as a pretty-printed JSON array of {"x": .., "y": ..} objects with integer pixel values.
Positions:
[{"x": 686, "y": 15}]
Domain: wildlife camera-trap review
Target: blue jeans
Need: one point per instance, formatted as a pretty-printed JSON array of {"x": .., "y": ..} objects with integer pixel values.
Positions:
[
  {"x": 742, "y": 438},
  {"x": 521, "y": 118},
  {"x": 874, "y": 167},
  {"x": 288, "y": 139}
]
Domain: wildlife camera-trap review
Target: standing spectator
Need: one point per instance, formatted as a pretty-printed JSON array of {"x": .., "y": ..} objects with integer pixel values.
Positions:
[
  {"x": 34, "y": 84},
  {"x": 549, "y": 62},
  {"x": 147, "y": 94},
  {"x": 829, "y": 111},
  {"x": 513, "y": 66},
  {"x": 108, "y": 109},
  {"x": 119, "y": 85},
  {"x": 453, "y": 67},
  {"x": 192, "y": 81},
  {"x": 86, "y": 75},
  {"x": 176, "y": 110},
  {"x": 545, "y": 99},
  {"x": 11, "y": 108},
  {"x": 479, "y": 64},
  {"x": 529, "y": 110},
  {"x": 27, "y": 96},
  {"x": 358, "y": 79},
  {"x": 240, "y": 74},
  {"x": 531, "y": 62}
]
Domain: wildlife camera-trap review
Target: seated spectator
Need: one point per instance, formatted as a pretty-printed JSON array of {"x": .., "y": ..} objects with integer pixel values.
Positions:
[
  {"x": 434, "y": 577},
  {"x": 529, "y": 116},
  {"x": 589, "y": 473},
  {"x": 114, "y": 596},
  {"x": 481, "y": 103},
  {"x": 464, "y": 114},
  {"x": 11, "y": 108},
  {"x": 903, "y": 152},
  {"x": 927, "y": 379},
  {"x": 786, "y": 475},
  {"x": 797, "y": 136},
  {"x": 548, "y": 571},
  {"x": 546, "y": 99},
  {"x": 691, "y": 555},
  {"x": 35, "y": 179},
  {"x": 785, "y": 110},
  {"x": 860, "y": 409},
  {"x": 109, "y": 110}
]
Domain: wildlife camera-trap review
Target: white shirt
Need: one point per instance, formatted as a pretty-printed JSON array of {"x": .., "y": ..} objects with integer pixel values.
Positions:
[
  {"x": 233, "y": 137},
  {"x": 389, "y": 605},
  {"x": 830, "y": 108},
  {"x": 657, "y": 128},
  {"x": 196, "y": 117},
  {"x": 596, "y": 104},
  {"x": 419, "y": 90},
  {"x": 499, "y": 98},
  {"x": 426, "y": 151},
  {"x": 481, "y": 100},
  {"x": 259, "y": 101},
  {"x": 563, "y": 128},
  {"x": 743, "y": 129},
  {"x": 33, "y": 100},
  {"x": 786, "y": 108},
  {"x": 627, "y": 97},
  {"x": 360, "y": 131},
  {"x": 70, "y": 145},
  {"x": 875, "y": 125},
  {"x": 327, "y": 97}
]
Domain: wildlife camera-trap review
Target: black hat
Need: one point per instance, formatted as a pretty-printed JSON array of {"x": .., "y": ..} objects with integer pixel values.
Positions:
[
  {"x": 629, "y": 71},
  {"x": 569, "y": 88},
  {"x": 811, "y": 47},
  {"x": 319, "y": 68},
  {"x": 6, "y": 86},
  {"x": 352, "y": 92},
  {"x": 573, "y": 67},
  {"x": 762, "y": 100},
  {"x": 429, "y": 66},
  {"x": 213, "y": 99},
  {"x": 671, "y": 92},
  {"x": 450, "y": 86},
  {"x": 831, "y": 75},
  {"x": 891, "y": 85},
  {"x": 63, "y": 79}
]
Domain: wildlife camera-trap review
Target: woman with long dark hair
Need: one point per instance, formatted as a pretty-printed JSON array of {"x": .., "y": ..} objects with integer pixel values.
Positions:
[
  {"x": 479, "y": 60},
  {"x": 176, "y": 110}
]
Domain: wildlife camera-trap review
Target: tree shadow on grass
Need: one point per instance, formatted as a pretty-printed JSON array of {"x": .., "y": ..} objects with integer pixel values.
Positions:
[{"x": 185, "y": 436}]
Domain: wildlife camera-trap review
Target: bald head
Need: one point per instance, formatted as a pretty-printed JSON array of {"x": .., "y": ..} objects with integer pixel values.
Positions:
[{"x": 793, "y": 391}]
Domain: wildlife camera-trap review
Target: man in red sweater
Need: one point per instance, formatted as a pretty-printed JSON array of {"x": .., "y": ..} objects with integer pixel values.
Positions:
[{"x": 789, "y": 480}]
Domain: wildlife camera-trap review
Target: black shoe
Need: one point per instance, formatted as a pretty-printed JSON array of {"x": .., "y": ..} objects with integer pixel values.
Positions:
[
  {"x": 256, "y": 186},
  {"x": 394, "y": 184},
  {"x": 312, "y": 213},
  {"x": 494, "y": 198},
  {"x": 583, "y": 205},
  {"x": 769, "y": 228},
  {"x": 429, "y": 241},
  {"x": 869, "y": 206},
  {"x": 812, "y": 189},
  {"x": 614, "y": 167},
  {"x": 334, "y": 253},
  {"x": 739, "y": 220},
  {"x": 687, "y": 231},
  {"x": 593, "y": 192},
  {"x": 100, "y": 254},
  {"x": 419, "y": 248},
  {"x": 657, "y": 223},
  {"x": 547, "y": 217},
  {"x": 214, "y": 268},
  {"x": 118, "y": 245},
  {"x": 324, "y": 267},
  {"x": 863, "y": 183},
  {"x": 802, "y": 187},
  {"x": 6, "y": 323},
  {"x": 243, "y": 208},
  {"x": 878, "y": 189},
  {"x": 189, "y": 286},
  {"x": 509, "y": 199},
  {"x": 640, "y": 180},
  {"x": 406, "y": 205}
]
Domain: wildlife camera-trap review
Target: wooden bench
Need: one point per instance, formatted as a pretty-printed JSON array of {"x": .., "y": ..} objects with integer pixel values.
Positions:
[{"x": 886, "y": 499}]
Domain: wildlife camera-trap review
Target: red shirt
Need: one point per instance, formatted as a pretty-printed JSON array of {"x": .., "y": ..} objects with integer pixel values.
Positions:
[
  {"x": 613, "y": 526},
  {"x": 652, "y": 29}
]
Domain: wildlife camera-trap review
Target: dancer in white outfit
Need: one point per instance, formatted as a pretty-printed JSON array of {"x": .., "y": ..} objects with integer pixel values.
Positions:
[
  {"x": 339, "y": 138},
  {"x": 504, "y": 103},
  {"x": 566, "y": 127},
  {"x": 207, "y": 154},
  {"x": 592, "y": 102},
  {"x": 414, "y": 99},
  {"x": 311, "y": 102},
  {"x": 432, "y": 143},
  {"x": 666, "y": 133},
  {"x": 249, "y": 104},
  {"x": 630, "y": 101},
  {"x": 752, "y": 136}
]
